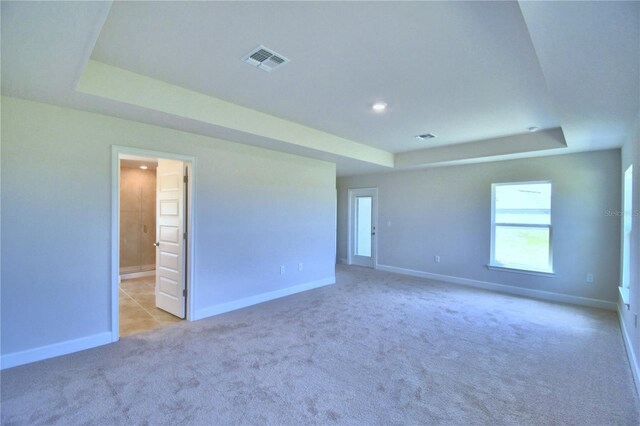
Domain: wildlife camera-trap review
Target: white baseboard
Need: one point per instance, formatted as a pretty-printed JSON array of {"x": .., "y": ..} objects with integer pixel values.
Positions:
[
  {"x": 503, "y": 288},
  {"x": 130, "y": 275},
  {"x": 633, "y": 361},
  {"x": 137, "y": 268},
  {"x": 260, "y": 298},
  {"x": 53, "y": 350},
  {"x": 129, "y": 269}
]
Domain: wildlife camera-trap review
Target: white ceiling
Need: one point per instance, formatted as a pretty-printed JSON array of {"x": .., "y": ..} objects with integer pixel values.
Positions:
[
  {"x": 461, "y": 71},
  {"x": 470, "y": 72}
]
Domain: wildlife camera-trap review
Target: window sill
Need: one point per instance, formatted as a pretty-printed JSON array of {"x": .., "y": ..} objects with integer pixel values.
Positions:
[
  {"x": 521, "y": 271},
  {"x": 624, "y": 294}
]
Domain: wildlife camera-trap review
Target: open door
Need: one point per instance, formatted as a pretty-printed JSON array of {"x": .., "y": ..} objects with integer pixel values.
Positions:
[
  {"x": 170, "y": 229},
  {"x": 363, "y": 218}
]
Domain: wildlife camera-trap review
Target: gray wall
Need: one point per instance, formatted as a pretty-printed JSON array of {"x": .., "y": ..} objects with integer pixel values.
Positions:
[
  {"x": 631, "y": 155},
  {"x": 447, "y": 212},
  {"x": 256, "y": 210}
]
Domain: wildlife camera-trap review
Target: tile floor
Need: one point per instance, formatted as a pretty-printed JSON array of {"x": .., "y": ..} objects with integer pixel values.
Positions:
[{"x": 138, "y": 310}]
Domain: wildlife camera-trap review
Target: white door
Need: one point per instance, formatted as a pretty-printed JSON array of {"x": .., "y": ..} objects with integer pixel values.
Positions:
[
  {"x": 170, "y": 255},
  {"x": 363, "y": 218}
]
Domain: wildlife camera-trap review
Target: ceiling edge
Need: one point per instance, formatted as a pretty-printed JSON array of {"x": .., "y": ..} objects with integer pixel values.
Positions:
[
  {"x": 100, "y": 19},
  {"x": 508, "y": 145},
  {"x": 120, "y": 85}
]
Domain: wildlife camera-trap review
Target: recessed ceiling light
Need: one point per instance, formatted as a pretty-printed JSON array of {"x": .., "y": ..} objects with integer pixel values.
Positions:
[
  {"x": 379, "y": 106},
  {"x": 144, "y": 167},
  {"x": 425, "y": 136},
  {"x": 534, "y": 129}
]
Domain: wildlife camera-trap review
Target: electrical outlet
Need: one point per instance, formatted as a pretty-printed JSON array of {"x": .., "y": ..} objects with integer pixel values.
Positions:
[
  {"x": 299, "y": 266},
  {"x": 436, "y": 259},
  {"x": 589, "y": 278},
  {"x": 282, "y": 270}
]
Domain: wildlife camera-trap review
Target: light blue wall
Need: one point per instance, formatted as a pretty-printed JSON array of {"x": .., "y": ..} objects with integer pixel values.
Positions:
[
  {"x": 447, "y": 212},
  {"x": 256, "y": 210}
]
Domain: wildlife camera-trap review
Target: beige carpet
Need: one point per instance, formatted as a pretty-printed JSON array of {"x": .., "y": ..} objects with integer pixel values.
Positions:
[{"x": 376, "y": 348}]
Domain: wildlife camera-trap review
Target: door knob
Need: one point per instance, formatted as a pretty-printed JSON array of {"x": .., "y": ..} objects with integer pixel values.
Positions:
[{"x": 157, "y": 244}]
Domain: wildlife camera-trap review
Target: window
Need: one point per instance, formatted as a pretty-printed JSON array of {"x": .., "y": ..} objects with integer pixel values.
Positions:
[
  {"x": 363, "y": 226},
  {"x": 627, "y": 222},
  {"x": 521, "y": 226}
]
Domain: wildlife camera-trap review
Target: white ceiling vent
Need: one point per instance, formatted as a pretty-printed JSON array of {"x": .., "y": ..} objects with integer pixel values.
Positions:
[
  {"x": 265, "y": 59},
  {"x": 425, "y": 136}
]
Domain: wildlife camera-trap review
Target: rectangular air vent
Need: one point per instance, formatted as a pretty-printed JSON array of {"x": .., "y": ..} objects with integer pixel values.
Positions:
[
  {"x": 265, "y": 59},
  {"x": 425, "y": 136}
]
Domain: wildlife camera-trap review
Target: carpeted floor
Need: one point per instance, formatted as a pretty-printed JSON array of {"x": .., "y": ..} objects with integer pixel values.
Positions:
[{"x": 376, "y": 348}]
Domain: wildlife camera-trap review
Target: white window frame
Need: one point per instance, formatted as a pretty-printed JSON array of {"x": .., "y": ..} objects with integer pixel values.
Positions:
[
  {"x": 627, "y": 228},
  {"x": 493, "y": 264}
]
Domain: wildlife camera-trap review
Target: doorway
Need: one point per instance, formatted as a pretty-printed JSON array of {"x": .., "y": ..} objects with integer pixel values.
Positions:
[
  {"x": 136, "y": 295},
  {"x": 151, "y": 230},
  {"x": 363, "y": 217}
]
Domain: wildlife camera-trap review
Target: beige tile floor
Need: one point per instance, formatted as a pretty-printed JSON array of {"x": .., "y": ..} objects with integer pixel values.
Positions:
[{"x": 138, "y": 310}]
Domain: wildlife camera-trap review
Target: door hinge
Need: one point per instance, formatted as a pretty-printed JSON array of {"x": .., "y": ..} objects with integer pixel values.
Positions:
[
  {"x": 186, "y": 179},
  {"x": 184, "y": 292},
  {"x": 184, "y": 236}
]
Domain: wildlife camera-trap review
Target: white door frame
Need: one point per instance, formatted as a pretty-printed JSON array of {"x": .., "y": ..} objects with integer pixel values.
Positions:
[
  {"x": 374, "y": 223},
  {"x": 117, "y": 153}
]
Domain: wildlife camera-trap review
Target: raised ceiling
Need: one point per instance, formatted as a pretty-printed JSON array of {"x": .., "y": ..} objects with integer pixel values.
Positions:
[
  {"x": 462, "y": 71},
  {"x": 477, "y": 74}
]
